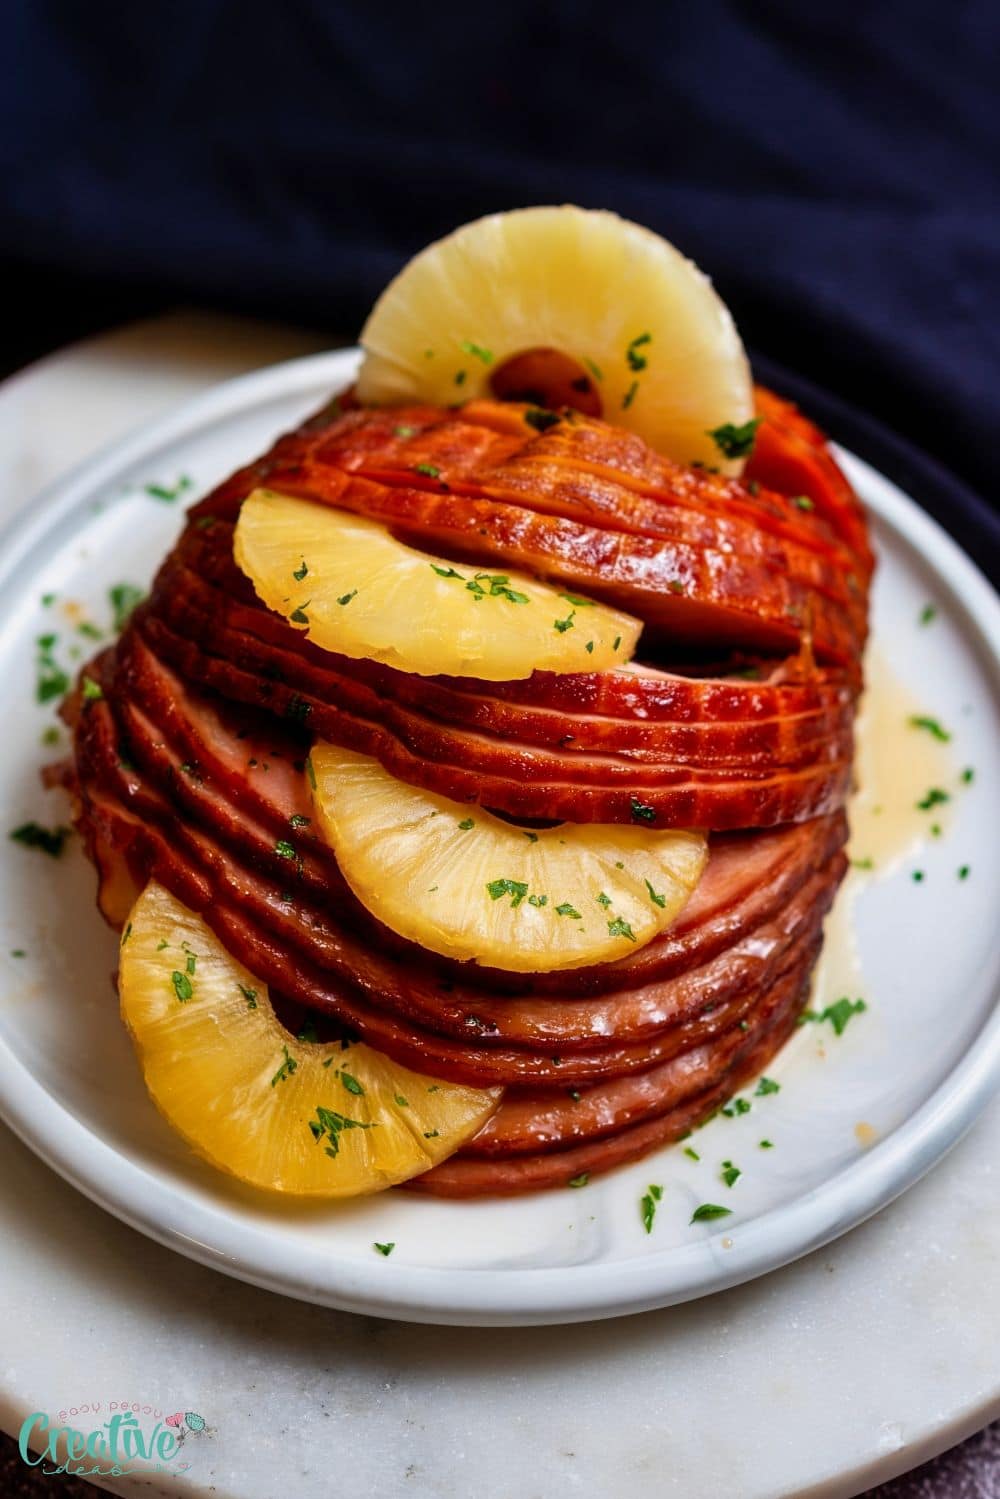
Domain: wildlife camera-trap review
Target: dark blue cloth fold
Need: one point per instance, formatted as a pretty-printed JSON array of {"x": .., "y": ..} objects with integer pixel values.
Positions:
[{"x": 833, "y": 167}]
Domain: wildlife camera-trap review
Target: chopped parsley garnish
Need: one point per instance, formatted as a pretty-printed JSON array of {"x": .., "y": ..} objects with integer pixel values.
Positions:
[
  {"x": 655, "y": 897},
  {"x": 577, "y": 601},
  {"x": 767, "y": 1085},
  {"x": 541, "y": 420},
  {"x": 351, "y": 1083},
  {"x": 736, "y": 1106},
  {"x": 345, "y": 598},
  {"x": 284, "y": 849},
  {"x": 917, "y": 876},
  {"x": 618, "y": 641},
  {"x": 300, "y": 572},
  {"x": 91, "y": 690},
  {"x": 935, "y": 797},
  {"x": 126, "y": 934},
  {"x": 803, "y": 502},
  {"x": 927, "y": 613},
  {"x": 531, "y": 837},
  {"x": 838, "y": 1014},
  {"x": 765, "y": 1144},
  {"x": 691, "y": 1154},
  {"x": 165, "y": 492},
  {"x": 516, "y": 889},
  {"x": 385, "y": 1249},
  {"x": 642, "y": 813},
  {"x": 647, "y": 1206},
  {"x": 288, "y": 1066},
  {"x": 307, "y": 1031},
  {"x": 736, "y": 442},
  {"x": 709, "y": 1210},
  {"x": 567, "y": 910},
  {"x": 123, "y": 598},
  {"x": 250, "y": 995},
  {"x": 51, "y": 841},
  {"x": 311, "y": 772},
  {"x": 562, "y": 625},
  {"x": 18, "y": 952},
  {"x": 603, "y": 900},
  {"x": 595, "y": 369},
  {"x": 330, "y": 1124},
  {"x": 633, "y": 358},
  {"x": 921, "y": 721},
  {"x": 465, "y": 825},
  {"x": 299, "y": 616},
  {"x": 431, "y": 1134},
  {"x": 460, "y": 377},
  {"x": 866, "y": 863},
  {"x": 630, "y": 395},
  {"x": 89, "y": 630},
  {"x": 51, "y": 735},
  {"x": 52, "y": 680},
  {"x": 620, "y": 928},
  {"x": 404, "y": 431},
  {"x": 485, "y": 356},
  {"x": 484, "y": 585},
  {"x": 730, "y": 1174},
  {"x": 429, "y": 470},
  {"x": 968, "y": 776},
  {"x": 297, "y": 820},
  {"x": 404, "y": 1103},
  {"x": 575, "y": 1094},
  {"x": 963, "y": 871},
  {"x": 182, "y": 985},
  {"x": 191, "y": 964},
  {"x": 579, "y": 1181},
  {"x": 589, "y": 646},
  {"x": 538, "y": 900}
]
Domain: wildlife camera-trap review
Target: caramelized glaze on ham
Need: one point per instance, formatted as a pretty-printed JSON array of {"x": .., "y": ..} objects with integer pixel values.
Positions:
[{"x": 190, "y": 768}]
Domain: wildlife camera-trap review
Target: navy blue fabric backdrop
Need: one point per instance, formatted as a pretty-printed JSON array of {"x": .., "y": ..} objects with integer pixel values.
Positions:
[{"x": 835, "y": 168}]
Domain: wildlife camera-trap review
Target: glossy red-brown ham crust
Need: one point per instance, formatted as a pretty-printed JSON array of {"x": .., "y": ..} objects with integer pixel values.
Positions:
[
  {"x": 191, "y": 768},
  {"x": 696, "y": 556}
]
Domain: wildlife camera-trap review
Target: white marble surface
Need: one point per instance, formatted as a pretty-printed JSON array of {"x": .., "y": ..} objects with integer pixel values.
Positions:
[{"x": 843, "y": 1369}]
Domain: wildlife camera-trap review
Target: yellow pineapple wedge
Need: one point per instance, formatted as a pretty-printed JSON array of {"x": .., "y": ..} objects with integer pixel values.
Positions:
[
  {"x": 464, "y": 883},
  {"x": 654, "y": 347},
  {"x": 353, "y": 588},
  {"x": 314, "y": 1120}
]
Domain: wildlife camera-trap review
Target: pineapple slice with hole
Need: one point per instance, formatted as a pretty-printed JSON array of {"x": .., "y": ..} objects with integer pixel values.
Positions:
[
  {"x": 654, "y": 348},
  {"x": 298, "y": 1117},
  {"x": 461, "y": 882},
  {"x": 353, "y": 588}
]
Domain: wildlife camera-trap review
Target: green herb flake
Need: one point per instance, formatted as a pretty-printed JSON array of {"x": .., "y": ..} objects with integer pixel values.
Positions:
[
  {"x": 647, "y": 1206},
  {"x": 167, "y": 493},
  {"x": 403, "y": 1103},
  {"x": 123, "y": 598},
  {"x": 568, "y": 910},
  {"x": 866, "y": 863},
  {"x": 51, "y": 841},
  {"x": 284, "y": 1072},
  {"x": 642, "y": 813},
  {"x": 516, "y": 889},
  {"x": 633, "y": 358},
  {"x": 351, "y": 1083},
  {"x": 595, "y": 369},
  {"x": 284, "y": 849},
  {"x": 927, "y": 613},
  {"x": 541, "y": 420},
  {"x": 765, "y": 1144},
  {"x": 297, "y": 820},
  {"x": 182, "y": 985},
  {"x": 299, "y": 616},
  {"x": 603, "y": 900},
  {"x": 736, "y": 442},
  {"x": 803, "y": 502},
  {"x": 655, "y": 897},
  {"x": 838, "y": 1014},
  {"x": 630, "y": 395},
  {"x": 736, "y": 1106},
  {"x": 766, "y": 1085},
  {"x": 404, "y": 431},
  {"x": 562, "y": 625},
  {"x": 429, "y": 470},
  {"x": 620, "y": 928},
  {"x": 191, "y": 964},
  {"x": 964, "y": 871},
  {"x": 476, "y": 351},
  {"x": 345, "y": 598},
  {"x": 330, "y": 1125},
  {"x": 708, "y": 1211},
  {"x": 384, "y": 1249},
  {"x": 921, "y": 721},
  {"x": 531, "y": 837},
  {"x": 968, "y": 776},
  {"x": 91, "y": 690},
  {"x": 730, "y": 1174},
  {"x": 250, "y": 995},
  {"x": 935, "y": 797},
  {"x": 692, "y": 1155},
  {"x": 300, "y": 572},
  {"x": 579, "y": 1181}
]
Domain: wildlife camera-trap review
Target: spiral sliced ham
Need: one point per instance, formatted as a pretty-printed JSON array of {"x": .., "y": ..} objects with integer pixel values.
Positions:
[{"x": 189, "y": 767}]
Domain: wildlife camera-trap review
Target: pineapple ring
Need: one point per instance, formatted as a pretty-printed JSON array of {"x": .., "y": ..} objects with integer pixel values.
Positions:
[
  {"x": 354, "y": 589},
  {"x": 661, "y": 348},
  {"x": 466, "y": 884},
  {"x": 283, "y": 1115}
]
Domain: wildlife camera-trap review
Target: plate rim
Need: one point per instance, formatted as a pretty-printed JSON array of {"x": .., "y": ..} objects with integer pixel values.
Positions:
[{"x": 480, "y": 1297}]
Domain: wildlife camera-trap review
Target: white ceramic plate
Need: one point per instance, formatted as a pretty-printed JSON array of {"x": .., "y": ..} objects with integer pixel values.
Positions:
[{"x": 917, "y": 1067}]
